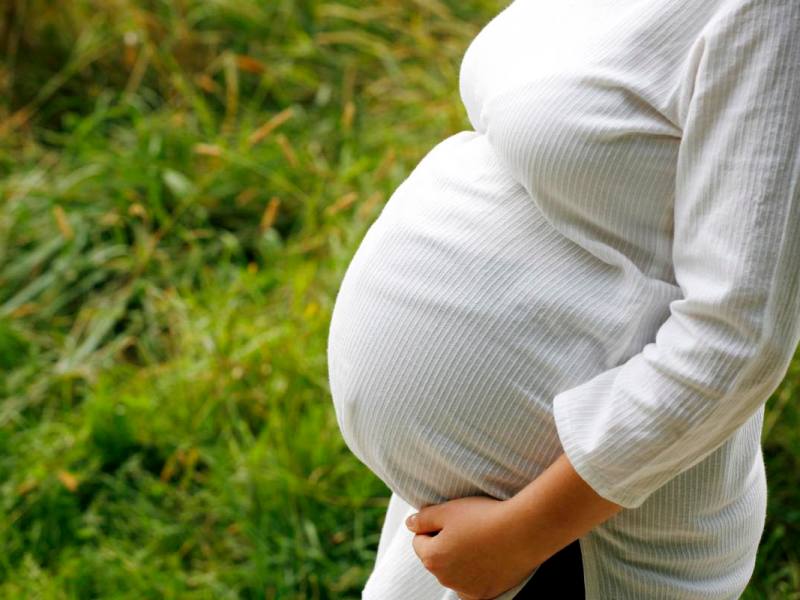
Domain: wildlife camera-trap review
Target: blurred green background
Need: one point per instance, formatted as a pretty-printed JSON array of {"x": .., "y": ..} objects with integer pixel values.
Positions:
[{"x": 182, "y": 184}]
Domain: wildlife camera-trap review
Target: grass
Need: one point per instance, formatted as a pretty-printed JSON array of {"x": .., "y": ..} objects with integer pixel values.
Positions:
[{"x": 182, "y": 184}]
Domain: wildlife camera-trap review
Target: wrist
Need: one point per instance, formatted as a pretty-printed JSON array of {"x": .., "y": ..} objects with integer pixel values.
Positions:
[
  {"x": 555, "y": 509},
  {"x": 530, "y": 536}
]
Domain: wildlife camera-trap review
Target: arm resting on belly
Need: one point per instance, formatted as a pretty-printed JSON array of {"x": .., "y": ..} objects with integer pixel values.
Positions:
[
  {"x": 727, "y": 344},
  {"x": 481, "y": 546}
]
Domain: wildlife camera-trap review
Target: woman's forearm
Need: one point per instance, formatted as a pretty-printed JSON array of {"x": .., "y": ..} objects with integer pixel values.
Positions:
[{"x": 556, "y": 508}]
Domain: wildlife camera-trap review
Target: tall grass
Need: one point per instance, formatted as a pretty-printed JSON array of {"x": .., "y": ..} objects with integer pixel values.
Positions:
[{"x": 182, "y": 184}]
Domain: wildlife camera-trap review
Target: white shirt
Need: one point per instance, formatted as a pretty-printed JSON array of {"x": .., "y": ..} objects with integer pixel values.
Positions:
[{"x": 607, "y": 265}]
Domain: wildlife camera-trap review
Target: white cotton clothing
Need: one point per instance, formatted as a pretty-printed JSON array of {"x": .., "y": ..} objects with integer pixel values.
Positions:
[{"x": 606, "y": 265}]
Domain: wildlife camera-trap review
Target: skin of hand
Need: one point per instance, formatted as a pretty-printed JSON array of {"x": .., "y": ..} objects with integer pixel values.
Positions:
[{"x": 480, "y": 546}]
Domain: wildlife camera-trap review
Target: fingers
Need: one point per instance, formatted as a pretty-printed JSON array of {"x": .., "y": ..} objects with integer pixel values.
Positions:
[
  {"x": 429, "y": 550},
  {"x": 427, "y": 520},
  {"x": 422, "y": 545}
]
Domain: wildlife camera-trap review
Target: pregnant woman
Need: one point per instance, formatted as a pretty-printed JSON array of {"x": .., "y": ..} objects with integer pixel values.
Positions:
[{"x": 560, "y": 333}]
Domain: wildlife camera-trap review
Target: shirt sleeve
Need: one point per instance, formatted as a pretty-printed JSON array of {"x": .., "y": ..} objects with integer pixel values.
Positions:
[{"x": 728, "y": 341}]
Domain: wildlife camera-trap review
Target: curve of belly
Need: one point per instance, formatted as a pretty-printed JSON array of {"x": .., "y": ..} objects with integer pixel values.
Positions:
[{"x": 459, "y": 317}]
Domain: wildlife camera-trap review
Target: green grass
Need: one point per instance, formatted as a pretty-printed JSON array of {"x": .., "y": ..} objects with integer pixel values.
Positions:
[{"x": 182, "y": 184}]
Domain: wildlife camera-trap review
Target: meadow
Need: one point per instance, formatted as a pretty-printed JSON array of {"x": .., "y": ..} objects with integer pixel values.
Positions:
[{"x": 182, "y": 184}]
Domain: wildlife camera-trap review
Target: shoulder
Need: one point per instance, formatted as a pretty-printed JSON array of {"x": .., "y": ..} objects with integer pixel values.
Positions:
[
  {"x": 752, "y": 32},
  {"x": 745, "y": 62},
  {"x": 765, "y": 17}
]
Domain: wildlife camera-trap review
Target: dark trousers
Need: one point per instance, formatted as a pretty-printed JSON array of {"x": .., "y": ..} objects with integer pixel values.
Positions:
[{"x": 560, "y": 576}]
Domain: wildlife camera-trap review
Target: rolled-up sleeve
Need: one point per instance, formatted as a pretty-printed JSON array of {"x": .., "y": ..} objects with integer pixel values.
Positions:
[{"x": 728, "y": 341}]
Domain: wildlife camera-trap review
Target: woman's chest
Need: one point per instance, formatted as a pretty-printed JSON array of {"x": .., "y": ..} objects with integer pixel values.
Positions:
[
  {"x": 571, "y": 48},
  {"x": 584, "y": 102}
]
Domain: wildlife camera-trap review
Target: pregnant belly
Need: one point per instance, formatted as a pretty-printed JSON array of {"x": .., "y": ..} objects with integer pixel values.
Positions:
[{"x": 460, "y": 316}]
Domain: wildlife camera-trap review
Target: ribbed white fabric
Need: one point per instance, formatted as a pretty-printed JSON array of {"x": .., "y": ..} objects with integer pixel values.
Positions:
[{"x": 608, "y": 266}]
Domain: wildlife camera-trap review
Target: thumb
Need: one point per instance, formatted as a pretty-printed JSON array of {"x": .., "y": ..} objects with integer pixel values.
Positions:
[{"x": 427, "y": 520}]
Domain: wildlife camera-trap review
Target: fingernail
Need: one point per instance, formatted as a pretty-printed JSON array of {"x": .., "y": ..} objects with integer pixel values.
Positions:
[{"x": 411, "y": 521}]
